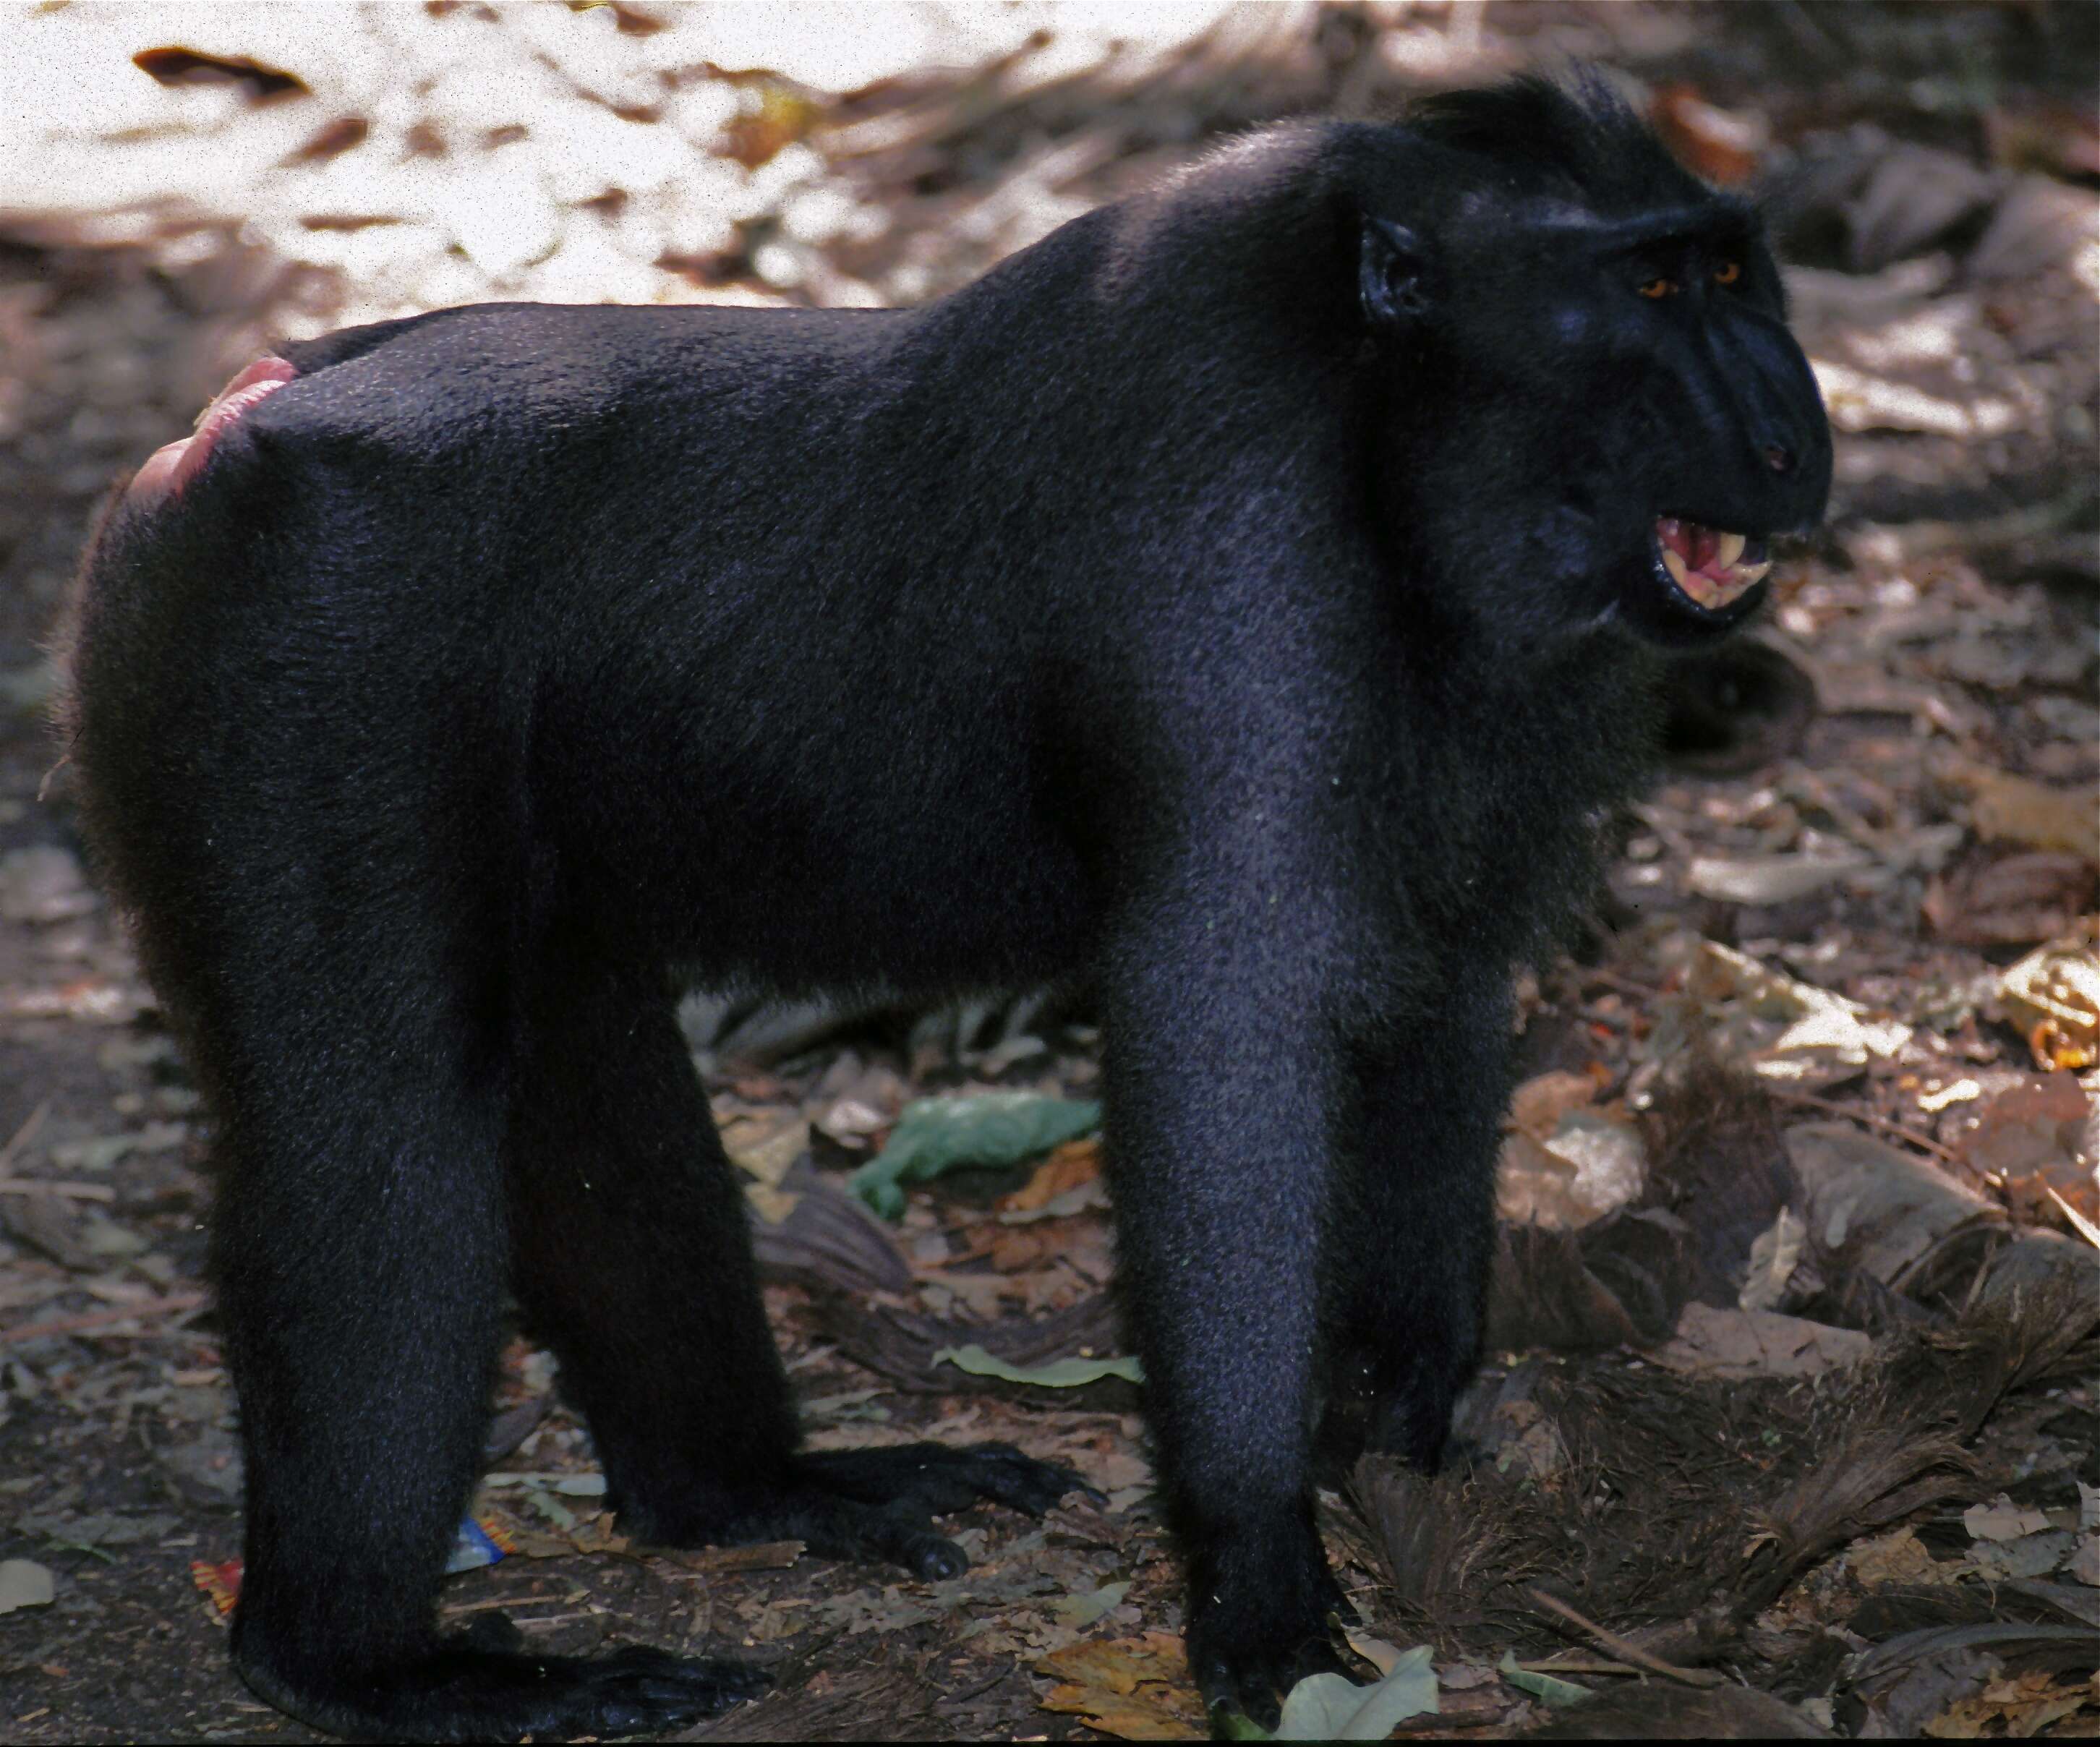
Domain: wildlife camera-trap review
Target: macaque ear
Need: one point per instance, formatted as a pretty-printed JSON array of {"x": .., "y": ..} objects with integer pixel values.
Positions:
[{"x": 1393, "y": 274}]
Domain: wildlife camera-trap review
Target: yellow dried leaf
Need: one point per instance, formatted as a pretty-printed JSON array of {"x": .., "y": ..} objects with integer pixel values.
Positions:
[
  {"x": 763, "y": 1150},
  {"x": 1068, "y": 1166},
  {"x": 1537, "y": 1106},
  {"x": 1119, "y": 1664},
  {"x": 2016, "y": 810},
  {"x": 1136, "y": 1688},
  {"x": 1897, "y": 1557},
  {"x": 2027, "y": 1703},
  {"x": 1151, "y": 1714}
]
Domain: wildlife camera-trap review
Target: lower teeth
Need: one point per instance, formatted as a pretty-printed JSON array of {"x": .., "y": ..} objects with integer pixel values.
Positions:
[{"x": 1711, "y": 591}]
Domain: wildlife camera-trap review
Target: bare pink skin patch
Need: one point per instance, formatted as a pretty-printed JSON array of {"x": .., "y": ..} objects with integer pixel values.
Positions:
[{"x": 172, "y": 465}]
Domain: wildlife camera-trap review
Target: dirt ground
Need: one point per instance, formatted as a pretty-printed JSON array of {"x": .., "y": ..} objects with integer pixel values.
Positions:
[{"x": 1792, "y": 1424}]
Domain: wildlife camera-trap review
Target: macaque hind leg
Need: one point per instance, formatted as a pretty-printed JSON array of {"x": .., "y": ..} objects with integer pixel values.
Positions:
[
  {"x": 359, "y": 1252},
  {"x": 632, "y": 1258}
]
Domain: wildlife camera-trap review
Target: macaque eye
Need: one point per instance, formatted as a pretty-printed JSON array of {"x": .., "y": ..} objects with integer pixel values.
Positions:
[
  {"x": 1727, "y": 272},
  {"x": 1659, "y": 288}
]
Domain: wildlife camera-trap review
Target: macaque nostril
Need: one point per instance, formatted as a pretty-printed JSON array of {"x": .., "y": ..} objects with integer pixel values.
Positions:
[{"x": 1778, "y": 459}]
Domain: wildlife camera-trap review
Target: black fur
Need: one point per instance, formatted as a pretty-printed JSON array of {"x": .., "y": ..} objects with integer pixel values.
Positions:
[{"x": 1246, "y": 594}]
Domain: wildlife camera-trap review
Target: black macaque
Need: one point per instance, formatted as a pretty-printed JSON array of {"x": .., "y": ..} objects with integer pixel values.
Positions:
[{"x": 1250, "y": 595}]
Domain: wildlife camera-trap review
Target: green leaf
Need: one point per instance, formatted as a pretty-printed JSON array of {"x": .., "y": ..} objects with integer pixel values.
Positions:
[
  {"x": 1330, "y": 1708},
  {"x": 24, "y": 1583},
  {"x": 1059, "y": 1374},
  {"x": 987, "y": 1128},
  {"x": 1557, "y": 1693},
  {"x": 1083, "y": 1610}
]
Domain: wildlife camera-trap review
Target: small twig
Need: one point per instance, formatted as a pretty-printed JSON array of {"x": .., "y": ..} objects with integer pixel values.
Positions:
[
  {"x": 172, "y": 1304},
  {"x": 1869, "y": 1118},
  {"x": 1612, "y": 980},
  {"x": 716, "y": 1561},
  {"x": 24, "y": 1134},
  {"x": 1565, "y": 1664},
  {"x": 1620, "y": 1648},
  {"x": 2079, "y": 1224},
  {"x": 46, "y": 1186},
  {"x": 984, "y": 1685},
  {"x": 494, "y": 1601}
]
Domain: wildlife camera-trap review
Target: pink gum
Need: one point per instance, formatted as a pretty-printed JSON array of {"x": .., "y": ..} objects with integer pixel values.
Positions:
[{"x": 172, "y": 465}]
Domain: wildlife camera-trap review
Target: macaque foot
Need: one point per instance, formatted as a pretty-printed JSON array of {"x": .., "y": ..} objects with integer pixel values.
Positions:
[
  {"x": 876, "y": 1505},
  {"x": 465, "y": 1691},
  {"x": 1260, "y": 1621}
]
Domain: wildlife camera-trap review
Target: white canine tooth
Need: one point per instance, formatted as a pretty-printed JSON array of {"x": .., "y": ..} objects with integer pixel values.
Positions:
[
  {"x": 1755, "y": 572},
  {"x": 1675, "y": 566},
  {"x": 1728, "y": 549}
]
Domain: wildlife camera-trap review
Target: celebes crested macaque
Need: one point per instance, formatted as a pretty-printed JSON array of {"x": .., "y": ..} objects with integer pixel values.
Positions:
[{"x": 1250, "y": 595}]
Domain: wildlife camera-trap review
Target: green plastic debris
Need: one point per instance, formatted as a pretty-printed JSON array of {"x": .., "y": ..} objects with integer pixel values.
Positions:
[
  {"x": 1557, "y": 1693},
  {"x": 1059, "y": 1374},
  {"x": 986, "y": 1129},
  {"x": 1231, "y": 1725}
]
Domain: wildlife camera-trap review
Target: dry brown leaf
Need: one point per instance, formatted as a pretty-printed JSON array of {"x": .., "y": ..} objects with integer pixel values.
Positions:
[
  {"x": 2039, "y": 1135},
  {"x": 2039, "y": 226},
  {"x": 1745, "y": 1344},
  {"x": 1914, "y": 195},
  {"x": 1533, "y": 1187},
  {"x": 2002, "y": 1520},
  {"x": 1873, "y": 1207},
  {"x": 1538, "y": 1105},
  {"x": 1564, "y": 1164},
  {"x": 2059, "y": 138},
  {"x": 1068, "y": 1166},
  {"x": 2025, "y": 1704},
  {"x": 2020, "y": 810},
  {"x": 2015, "y": 901},
  {"x": 1119, "y": 1664},
  {"x": 1896, "y": 1557},
  {"x": 765, "y": 1146},
  {"x": 1859, "y": 401},
  {"x": 1791, "y": 1031},
  {"x": 1017, "y": 1251},
  {"x": 1137, "y": 1688},
  {"x": 1770, "y": 879}
]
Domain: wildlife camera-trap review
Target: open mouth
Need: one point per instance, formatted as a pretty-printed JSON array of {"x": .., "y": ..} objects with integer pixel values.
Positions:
[{"x": 1711, "y": 568}]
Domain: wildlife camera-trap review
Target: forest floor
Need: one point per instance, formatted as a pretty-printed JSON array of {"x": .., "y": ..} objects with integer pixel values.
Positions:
[{"x": 1792, "y": 1422}]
